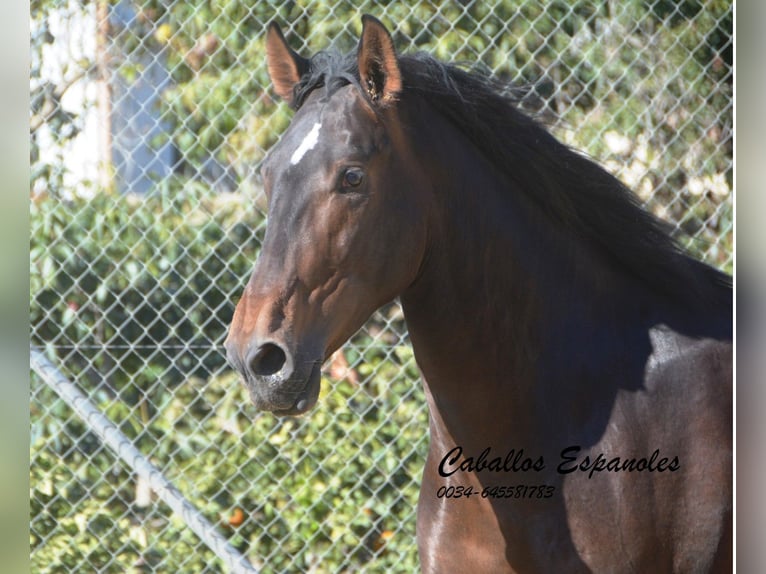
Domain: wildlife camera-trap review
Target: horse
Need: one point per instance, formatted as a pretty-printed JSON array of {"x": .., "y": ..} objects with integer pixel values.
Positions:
[{"x": 576, "y": 362}]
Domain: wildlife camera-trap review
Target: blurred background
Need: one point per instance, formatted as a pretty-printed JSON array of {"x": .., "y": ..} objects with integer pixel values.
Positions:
[{"x": 148, "y": 123}]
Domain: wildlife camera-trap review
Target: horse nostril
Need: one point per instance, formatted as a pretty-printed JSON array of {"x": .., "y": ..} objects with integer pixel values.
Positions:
[{"x": 267, "y": 360}]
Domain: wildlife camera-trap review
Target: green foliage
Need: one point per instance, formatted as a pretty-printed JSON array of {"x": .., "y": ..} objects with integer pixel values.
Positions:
[
  {"x": 354, "y": 510},
  {"x": 152, "y": 279}
]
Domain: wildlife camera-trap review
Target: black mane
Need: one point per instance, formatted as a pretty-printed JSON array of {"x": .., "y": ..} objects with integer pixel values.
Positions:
[{"x": 572, "y": 190}]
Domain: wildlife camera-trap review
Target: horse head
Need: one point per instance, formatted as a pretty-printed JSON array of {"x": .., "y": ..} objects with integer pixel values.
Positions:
[{"x": 345, "y": 230}]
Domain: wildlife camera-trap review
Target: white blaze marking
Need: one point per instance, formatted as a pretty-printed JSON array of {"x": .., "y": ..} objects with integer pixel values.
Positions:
[{"x": 307, "y": 144}]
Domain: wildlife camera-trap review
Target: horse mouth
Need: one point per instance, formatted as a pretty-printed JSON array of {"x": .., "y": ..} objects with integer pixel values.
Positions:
[{"x": 300, "y": 402}]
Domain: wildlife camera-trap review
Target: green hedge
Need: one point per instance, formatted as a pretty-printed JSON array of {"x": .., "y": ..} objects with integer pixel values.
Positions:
[
  {"x": 337, "y": 490},
  {"x": 154, "y": 279}
]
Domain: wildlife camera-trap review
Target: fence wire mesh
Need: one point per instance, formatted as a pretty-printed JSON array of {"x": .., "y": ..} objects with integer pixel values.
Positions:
[{"x": 148, "y": 123}]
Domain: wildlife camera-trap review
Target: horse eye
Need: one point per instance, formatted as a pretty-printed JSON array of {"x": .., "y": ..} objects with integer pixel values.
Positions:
[{"x": 353, "y": 177}]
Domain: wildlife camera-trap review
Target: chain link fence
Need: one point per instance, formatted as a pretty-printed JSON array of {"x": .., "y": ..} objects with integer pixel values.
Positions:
[{"x": 148, "y": 123}]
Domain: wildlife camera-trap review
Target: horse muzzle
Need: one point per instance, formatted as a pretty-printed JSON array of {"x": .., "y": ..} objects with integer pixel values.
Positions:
[{"x": 277, "y": 379}]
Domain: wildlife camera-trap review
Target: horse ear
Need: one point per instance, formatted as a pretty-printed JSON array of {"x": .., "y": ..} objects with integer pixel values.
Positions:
[
  {"x": 378, "y": 67},
  {"x": 285, "y": 66}
]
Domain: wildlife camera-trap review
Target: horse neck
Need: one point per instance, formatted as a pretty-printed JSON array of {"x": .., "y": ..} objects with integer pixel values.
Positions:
[{"x": 500, "y": 288}]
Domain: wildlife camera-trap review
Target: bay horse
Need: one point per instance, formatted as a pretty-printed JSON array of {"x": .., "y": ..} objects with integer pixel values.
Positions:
[{"x": 577, "y": 364}]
